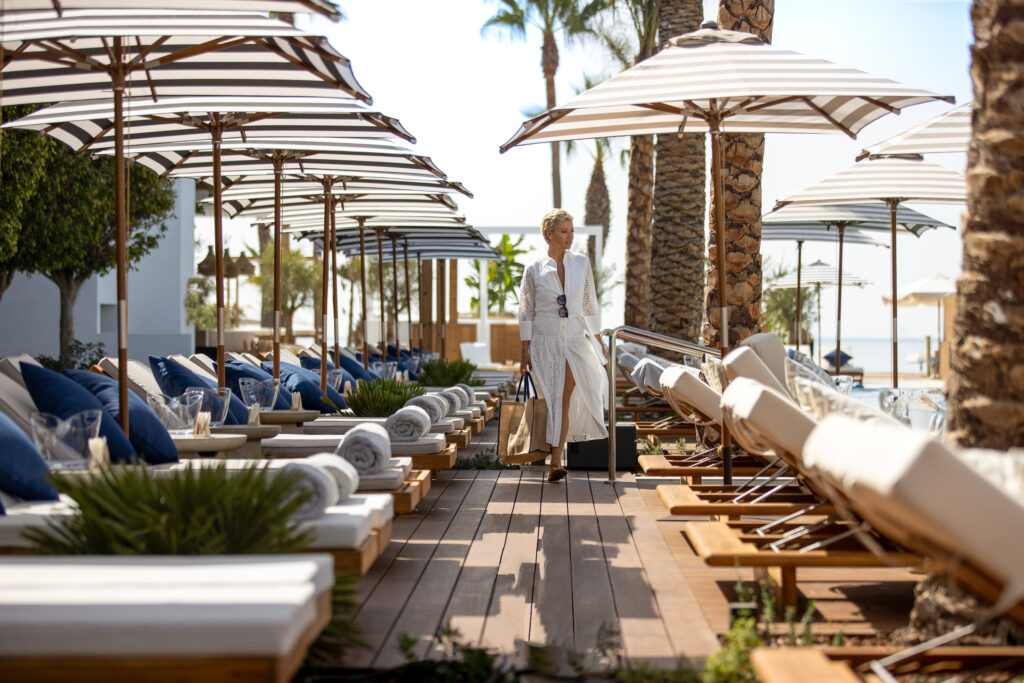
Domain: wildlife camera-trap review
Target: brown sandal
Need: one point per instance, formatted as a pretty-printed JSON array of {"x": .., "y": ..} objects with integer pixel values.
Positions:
[{"x": 557, "y": 474}]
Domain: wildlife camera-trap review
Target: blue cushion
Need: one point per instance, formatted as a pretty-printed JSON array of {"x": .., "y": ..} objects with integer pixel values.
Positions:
[
  {"x": 58, "y": 395},
  {"x": 235, "y": 370},
  {"x": 356, "y": 368},
  {"x": 311, "y": 363},
  {"x": 843, "y": 356},
  {"x": 307, "y": 383},
  {"x": 147, "y": 434},
  {"x": 22, "y": 469},
  {"x": 174, "y": 379}
]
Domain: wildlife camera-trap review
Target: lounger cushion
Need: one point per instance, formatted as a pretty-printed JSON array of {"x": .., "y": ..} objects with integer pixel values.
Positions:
[
  {"x": 307, "y": 383},
  {"x": 355, "y": 368},
  {"x": 744, "y": 362},
  {"x": 386, "y": 480},
  {"x": 146, "y": 433},
  {"x": 22, "y": 469},
  {"x": 341, "y": 527},
  {"x": 381, "y": 507},
  {"x": 58, "y": 395},
  {"x": 174, "y": 379},
  {"x": 770, "y": 349},
  {"x": 11, "y": 366},
  {"x": 682, "y": 385},
  {"x": 16, "y": 402},
  {"x": 763, "y": 420},
  {"x": 235, "y": 370}
]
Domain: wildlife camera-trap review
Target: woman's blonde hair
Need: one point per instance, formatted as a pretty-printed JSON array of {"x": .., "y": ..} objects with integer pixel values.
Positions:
[{"x": 551, "y": 220}]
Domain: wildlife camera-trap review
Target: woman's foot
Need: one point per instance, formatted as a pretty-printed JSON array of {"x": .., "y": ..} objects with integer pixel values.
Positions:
[{"x": 556, "y": 474}]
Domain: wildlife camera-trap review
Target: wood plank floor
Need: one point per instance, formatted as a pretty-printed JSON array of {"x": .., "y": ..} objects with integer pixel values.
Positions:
[{"x": 506, "y": 558}]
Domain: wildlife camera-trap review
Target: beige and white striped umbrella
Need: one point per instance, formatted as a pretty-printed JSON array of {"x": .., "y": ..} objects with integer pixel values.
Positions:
[
  {"x": 948, "y": 132},
  {"x": 889, "y": 181}
]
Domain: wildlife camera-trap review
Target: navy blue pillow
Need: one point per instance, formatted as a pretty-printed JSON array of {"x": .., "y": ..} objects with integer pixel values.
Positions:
[
  {"x": 356, "y": 368},
  {"x": 22, "y": 469},
  {"x": 147, "y": 434},
  {"x": 313, "y": 365},
  {"x": 58, "y": 395},
  {"x": 307, "y": 383},
  {"x": 844, "y": 357},
  {"x": 174, "y": 379},
  {"x": 235, "y": 370}
]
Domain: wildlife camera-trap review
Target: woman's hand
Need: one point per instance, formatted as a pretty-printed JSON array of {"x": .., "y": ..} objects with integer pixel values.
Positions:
[{"x": 524, "y": 363}]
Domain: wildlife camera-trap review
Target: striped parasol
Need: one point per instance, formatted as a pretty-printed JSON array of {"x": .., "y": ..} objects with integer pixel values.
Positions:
[
  {"x": 886, "y": 182},
  {"x": 324, "y": 7},
  {"x": 949, "y": 132}
]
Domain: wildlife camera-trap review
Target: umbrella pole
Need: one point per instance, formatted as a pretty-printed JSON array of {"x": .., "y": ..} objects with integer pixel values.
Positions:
[
  {"x": 362, "y": 289},
  {"x": 799, "y": 268},
  {"x": 334, "y": 285},
  {"x": 839, "y": 298},
  {"x": 278, "y": 169},
  {"x": 218, "y": 247},
  {"x": 717, "y": 185},
  {"x": 408, "y": 297},
  {"x": 380, "y": 289},
  {"x": 893, "y": 203},
  {"x": 419, "y": 273},
  {"x": 817, "y": 290},
  {"x": 394, "y": 288},
  {"x": 122, "y": 239},
  {"x": 328, "y": 201}
]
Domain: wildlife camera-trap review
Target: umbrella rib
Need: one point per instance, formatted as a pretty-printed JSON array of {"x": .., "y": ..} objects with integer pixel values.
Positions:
[
  {"x": 144, "y": 51},
  {"x": 878, "y": 103},
  {"x": 771, "y": 102},
  {"x": 375, "y": 119},
  {"x": 313, "y": 70},
  {"x": 175, "y": 166},
  {"x": 96, "y": 138},
  {"x": 220, "y": 43},
  {"x": 552, "y": 117},
  {"x": 828, "y": 117},
  {"x": 60, "y": 53}
]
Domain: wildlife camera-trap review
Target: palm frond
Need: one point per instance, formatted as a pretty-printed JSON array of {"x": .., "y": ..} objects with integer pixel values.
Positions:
[{"x": 511, "y": 20}]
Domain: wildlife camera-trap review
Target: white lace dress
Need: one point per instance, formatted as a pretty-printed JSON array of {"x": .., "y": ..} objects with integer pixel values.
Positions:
[{"x": 555, "y": 341}]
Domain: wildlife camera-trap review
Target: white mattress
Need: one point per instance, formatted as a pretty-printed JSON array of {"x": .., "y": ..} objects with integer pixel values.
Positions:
[
  {"x": 342, "y": 527},
  {"x": 28, "y": 515},
  {"x": 744, "y": 362},
  {"x": 764, "y": 420},
  {"x": 340, "y": 425},
  {"x": 389, "y": 479},
  {"x": 317, "y": 443},
  {"x": 380, "y": 506},
  {"x": 683, "y": 389}
]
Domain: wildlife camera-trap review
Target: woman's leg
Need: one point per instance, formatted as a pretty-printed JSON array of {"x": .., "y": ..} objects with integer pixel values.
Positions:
[{"x": 567, "y": 389}]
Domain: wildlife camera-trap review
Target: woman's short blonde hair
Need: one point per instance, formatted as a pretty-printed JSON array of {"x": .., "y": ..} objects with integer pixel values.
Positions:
[{"x": 551, "y": 220}]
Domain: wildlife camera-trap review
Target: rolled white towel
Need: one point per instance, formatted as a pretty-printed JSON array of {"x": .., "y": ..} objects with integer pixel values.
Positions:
[
  {"x": 367, "y": 446},
  {"x": 409, "y": 423},
  {"x": 469, "y": 391},
  {"x": 436, "y": 407},
  {"x": 316, "y": 481},
  {"x": 460, "y": 397},
  {"x": 454, "y": 401},
  {"x": 345, "y": 475}
]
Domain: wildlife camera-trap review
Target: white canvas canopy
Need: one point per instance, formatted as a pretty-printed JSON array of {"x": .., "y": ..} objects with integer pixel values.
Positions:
[{"x": 948, "y": 132}]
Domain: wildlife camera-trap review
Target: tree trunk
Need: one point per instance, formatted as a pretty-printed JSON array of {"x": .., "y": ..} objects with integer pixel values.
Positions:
[
  {"x": 677, "y": 243},
  {"x": 6, "y": 278},
  {"x": 266, "y": 297},
  {"x": 549, "y": 65},
  {"x": 69, "y": 287},
  {"x": 742, "y": 154},
  {"x": 986, "y": 402},
  {"x": 638, "y": 230},
  {"x": 598, "y": 212}
]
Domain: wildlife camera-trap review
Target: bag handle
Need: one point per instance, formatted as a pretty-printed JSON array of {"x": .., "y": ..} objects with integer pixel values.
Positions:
[{"x": 525, "y": 382}]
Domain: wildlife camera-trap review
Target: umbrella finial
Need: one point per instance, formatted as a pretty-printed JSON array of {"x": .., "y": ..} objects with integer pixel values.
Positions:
[{"x": 709, "y": 23}]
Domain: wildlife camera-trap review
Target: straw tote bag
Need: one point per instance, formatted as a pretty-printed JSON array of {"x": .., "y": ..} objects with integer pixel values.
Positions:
[{"x": 522, "y": 426}]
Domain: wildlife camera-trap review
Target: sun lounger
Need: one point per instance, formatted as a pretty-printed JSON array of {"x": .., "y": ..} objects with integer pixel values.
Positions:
[
  {"x": 743, "y": 361},
  {"x": 188, "y": 364},
  {"x": 205, "y": 362},
  {"x": 16, "y": 402},
  {"x": 339, "y": 425},
  {"x": 140, "y": 377},
  {"x": 772, "y": 352},
  {"x": 161, "y": 618},
  {"x": 11, "y": 366}
]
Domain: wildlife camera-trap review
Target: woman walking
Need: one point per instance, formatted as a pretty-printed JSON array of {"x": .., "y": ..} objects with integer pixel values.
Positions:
[{"x": 558, "y": 320}]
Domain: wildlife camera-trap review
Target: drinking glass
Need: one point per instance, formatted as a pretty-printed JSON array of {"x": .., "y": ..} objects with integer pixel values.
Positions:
[
  {"x": 378, "y": 368},
  {"x": 215, "y": 401},
  {"x": 177, "y": 414},
  {"x": 926, "y": 410},
  {"x": 64, "y": 444},
  {"x": 844, "y": 383},
  {"x": 335, "y": 379},
  {"x": 895, "y": 402}
]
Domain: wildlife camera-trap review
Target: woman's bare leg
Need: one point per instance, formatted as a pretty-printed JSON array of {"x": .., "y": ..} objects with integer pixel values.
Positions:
[{"x": 567, "y": 389}]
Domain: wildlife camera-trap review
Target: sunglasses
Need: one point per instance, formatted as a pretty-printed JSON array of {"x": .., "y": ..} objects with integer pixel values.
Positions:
[{"x": 563, "y": 312}]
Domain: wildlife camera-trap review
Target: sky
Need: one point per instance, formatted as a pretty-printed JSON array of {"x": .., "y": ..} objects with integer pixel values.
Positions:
[{"x": 462, "y": 94}]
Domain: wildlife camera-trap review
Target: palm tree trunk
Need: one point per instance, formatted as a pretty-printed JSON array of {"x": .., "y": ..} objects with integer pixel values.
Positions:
[
  {"x": 598, "y": 212},
  {"x": 986, "y": 410},
  {"x": 638, "y": 230},
  {"x": 743, "y": 154},
  {"x": 549, "y": 65},
  {"x": 677, "y": 243}
]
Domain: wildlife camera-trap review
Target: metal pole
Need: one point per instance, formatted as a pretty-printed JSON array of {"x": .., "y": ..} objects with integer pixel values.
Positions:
[
  {"x": 612, "y": 445},
  {"x": 121, "y": 213},
  {"x": 893, "y": 203},
  {"x": 218, "y": 248},
  {"x": 716, "y": 179},
  {"x": 362, "y": 289},
  {"x": 278, "y": 170}
]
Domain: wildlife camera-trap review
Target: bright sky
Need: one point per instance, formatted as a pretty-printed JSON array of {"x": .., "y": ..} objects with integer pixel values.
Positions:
[{"x": 462, "y": 95}]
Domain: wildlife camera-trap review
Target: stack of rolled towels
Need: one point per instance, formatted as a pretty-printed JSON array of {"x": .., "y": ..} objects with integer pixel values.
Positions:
[
  {"x": 408, "y": 423},
  {"x": 367, "y": 447},
  {"x": 328, "y": 479},
  {"x": 435, "y": 406}
]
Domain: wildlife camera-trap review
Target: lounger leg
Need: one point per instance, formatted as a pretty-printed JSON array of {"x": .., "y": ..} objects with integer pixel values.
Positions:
[
  {"x": 789, "y": 587},
  {"x": 764, "y": 483},
  {"x": 762, "y": 530}
]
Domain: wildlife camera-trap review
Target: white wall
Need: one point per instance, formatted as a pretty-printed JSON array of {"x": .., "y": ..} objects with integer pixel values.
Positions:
[{"x": 30, "y": 308}]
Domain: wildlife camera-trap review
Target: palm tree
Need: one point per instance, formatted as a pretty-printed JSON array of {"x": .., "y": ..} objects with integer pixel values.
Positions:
[
  {"x": 677, "y": 241},
  {"x": 743, "y": 154},
  {"x": 550, "y": 17},
  {"x": 986, "y": 410}
]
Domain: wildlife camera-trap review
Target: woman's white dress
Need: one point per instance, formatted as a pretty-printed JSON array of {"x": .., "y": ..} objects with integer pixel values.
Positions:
[{"x": 555, "y": 341}]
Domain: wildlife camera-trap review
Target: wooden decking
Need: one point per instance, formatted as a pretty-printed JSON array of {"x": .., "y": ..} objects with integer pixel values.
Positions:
[{"x": 505, "y": 557}]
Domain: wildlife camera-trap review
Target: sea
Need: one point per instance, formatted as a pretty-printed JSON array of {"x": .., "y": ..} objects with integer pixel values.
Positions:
[{"x": 875, "y": 354}]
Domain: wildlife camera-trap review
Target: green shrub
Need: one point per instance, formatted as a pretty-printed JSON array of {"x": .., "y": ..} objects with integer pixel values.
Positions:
[
  {"x": 380, "y": 397},
  {"x": 82, "y": 356},
  {"x": 441, "y": 372},
  {"x": 486, "y": 459}
]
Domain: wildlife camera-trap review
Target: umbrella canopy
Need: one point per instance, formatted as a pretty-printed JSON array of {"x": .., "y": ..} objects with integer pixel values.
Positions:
[
  {"x": 88, "y": 52},
  {"x": 713, "y": 80},
  {"x": 888, "y": 182},
  {"x": 294, "y": 202},
  {"x": 241, "y": 188},
  {"x": 328, "y": 9},
  {"x": 931, "y": 290},
  {"x": 948, "y": 132}
]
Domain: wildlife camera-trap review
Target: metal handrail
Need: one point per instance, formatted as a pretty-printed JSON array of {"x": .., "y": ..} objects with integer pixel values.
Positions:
[{"x": 636, "y": 334}]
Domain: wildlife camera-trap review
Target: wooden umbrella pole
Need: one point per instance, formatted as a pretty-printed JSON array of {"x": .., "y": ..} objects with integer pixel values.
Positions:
[
  {"x": 839, "y": 298},
  {"x": 218, "y": 248},
  {"x": 394, "y": 291},
  {"x": 325, "y": 277},
  {"x": 719, "y": 203},
  {"x": 334, "y": 283},
  {"x": 817, "y": 290},
  {"x": 278, "y": 170},
  {"x": 893, "y": 204},
  {"x": 380, "y": 288},
  {"x": 799, "y": 267},
  {"x": 408, "y": 297},
  {"x": 121, "y": 214},
  {"x": 362, "y": 289},
  {"x": 419, "y": 273}
]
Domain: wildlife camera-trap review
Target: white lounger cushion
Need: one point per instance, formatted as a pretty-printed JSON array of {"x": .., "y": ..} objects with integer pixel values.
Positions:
[
  {"x": 340, "y": 425},
  {"x": 317, "y": 443},
  {"x": 763, "y": 420},
  {"x": 16, "y": 403},
  {"x": 205, "y": 612},
  {"x": 772, "y": 352},
  {"x": 379, "y": 506},
  {"x": 140, "y": 377},
  {"x": 11, "y": 366},
  {"x": 744, "y": 362},
  {"x": 28, "y": 515},
  {"x": 341, "y": 527},
  {"x": 901, "y": 479},
  {"x": 388, "y": 479},
  {"x": 686, "y": 392},
  {"x": 647, "y": 375},
  {"x": 192, "y": 366}
]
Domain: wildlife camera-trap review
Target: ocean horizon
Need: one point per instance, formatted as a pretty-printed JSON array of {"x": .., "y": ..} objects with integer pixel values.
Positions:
[{"x": 874, "y": 354}]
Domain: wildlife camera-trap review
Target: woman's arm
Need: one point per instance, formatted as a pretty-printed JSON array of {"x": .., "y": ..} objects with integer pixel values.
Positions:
[{"x": 526, "y": 312}]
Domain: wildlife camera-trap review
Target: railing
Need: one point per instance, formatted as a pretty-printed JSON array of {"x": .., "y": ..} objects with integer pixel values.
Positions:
[{"x": 660, "y": 341}]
